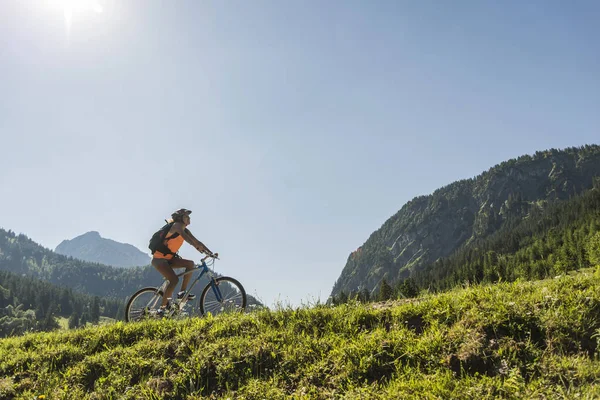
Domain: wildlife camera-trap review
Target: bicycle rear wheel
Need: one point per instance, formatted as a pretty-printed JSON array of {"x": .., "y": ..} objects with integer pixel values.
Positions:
[
  {"x": 232, "y": 293},
  {"x": 143, "y": 304}
]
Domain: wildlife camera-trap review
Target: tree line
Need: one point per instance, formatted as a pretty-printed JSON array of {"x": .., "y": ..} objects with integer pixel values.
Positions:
[{"x": 28, "y": 304}]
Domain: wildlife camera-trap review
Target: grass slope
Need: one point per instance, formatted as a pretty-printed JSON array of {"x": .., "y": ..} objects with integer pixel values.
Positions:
[
  {"x": 64, "y": 322},
  {"x": 509, "y": 340}
]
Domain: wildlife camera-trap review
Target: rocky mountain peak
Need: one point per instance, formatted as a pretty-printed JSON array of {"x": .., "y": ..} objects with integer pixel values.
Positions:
[{"x": 91, "y": 246}]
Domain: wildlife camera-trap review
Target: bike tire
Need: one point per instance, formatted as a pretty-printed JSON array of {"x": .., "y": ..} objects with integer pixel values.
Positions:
[
  {"x": 234, "y": 297},
  {"x": 155, "y": 302}
]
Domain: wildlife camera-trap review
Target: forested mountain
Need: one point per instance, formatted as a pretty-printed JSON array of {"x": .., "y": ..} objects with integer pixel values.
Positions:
[
  {"x": 552, "y": 241},
  {"x": 436, "y": 239},
  {"x": 92, "y": 247},
  {"x": 23, "y": 256},
  {"x": 29, "y": 304}
]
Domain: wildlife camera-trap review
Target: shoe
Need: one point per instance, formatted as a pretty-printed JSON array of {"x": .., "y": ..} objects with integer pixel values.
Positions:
[
  {"x": 161, "y": 313},
  {"x": 190, "y": 296}
]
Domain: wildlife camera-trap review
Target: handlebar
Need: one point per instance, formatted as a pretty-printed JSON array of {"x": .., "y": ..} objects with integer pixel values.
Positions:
[{"x": 215, "y": 256}]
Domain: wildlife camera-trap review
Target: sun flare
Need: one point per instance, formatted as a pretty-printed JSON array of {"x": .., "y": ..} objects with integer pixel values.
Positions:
[{"x": 75, "y": 9}]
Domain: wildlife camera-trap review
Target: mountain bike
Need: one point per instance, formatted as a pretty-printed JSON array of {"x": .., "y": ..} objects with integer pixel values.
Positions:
[{"x": 221, "y": 295}]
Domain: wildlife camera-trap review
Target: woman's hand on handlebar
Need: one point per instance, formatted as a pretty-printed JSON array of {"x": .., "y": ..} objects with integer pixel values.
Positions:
[{"x": 211, "y": 255}]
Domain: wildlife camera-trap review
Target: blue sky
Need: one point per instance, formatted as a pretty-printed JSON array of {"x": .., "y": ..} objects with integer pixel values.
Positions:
[{"x": 292, "y": 129}]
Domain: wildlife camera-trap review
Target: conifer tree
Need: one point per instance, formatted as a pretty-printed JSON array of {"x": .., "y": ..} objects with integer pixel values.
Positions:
[
  {"x": 95, "y": 310},
  {"x": 385, "y": 291},
  {"x": 74, "y": 320},
  {"x": 49, "y": 323},
  {"x": 84, "y": 319},
  {"x": 593, "y": 249}
]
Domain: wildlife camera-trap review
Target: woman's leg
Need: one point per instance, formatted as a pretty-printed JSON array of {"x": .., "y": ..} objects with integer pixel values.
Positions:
[
  {"x": 181, "y": 263},
  {"x": 162, "y": 265}
]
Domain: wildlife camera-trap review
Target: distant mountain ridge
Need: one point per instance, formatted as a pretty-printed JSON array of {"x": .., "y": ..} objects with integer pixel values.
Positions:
[
  {"x": 93, "y": 248},
  {"x": 431, "y": 227}
]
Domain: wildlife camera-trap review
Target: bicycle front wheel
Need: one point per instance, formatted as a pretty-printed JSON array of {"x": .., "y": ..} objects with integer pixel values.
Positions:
[
  {"x": 143, "y": 304},
  {"x": 231, "y": 293}
]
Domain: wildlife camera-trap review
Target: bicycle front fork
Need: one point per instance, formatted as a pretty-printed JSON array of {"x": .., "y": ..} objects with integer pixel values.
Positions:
[{"x": 215, "y": 287}]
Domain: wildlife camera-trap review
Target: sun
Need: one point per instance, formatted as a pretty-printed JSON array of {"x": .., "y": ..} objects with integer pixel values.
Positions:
[{"x": 75, "y": 8}]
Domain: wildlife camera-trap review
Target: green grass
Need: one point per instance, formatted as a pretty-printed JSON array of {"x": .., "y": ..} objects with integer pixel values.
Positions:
[
  {"x": 64, "y": 322},
  {"x": 511, "y": 340}
]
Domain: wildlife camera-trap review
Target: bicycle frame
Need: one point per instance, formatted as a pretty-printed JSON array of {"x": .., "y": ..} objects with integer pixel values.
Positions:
[{"x": 203, "y": 270}]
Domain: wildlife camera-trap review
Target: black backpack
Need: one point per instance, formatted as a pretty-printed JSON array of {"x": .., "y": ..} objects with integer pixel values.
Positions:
[{"x": 157, "y": 242}]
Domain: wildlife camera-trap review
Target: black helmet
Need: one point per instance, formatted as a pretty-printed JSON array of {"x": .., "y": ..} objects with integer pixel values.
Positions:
[{"x": 180, "y": 213}]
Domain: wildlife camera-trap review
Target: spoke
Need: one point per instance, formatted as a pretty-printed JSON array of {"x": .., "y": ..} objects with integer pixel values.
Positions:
[
  {"x": 225, "y": 306},
  {"x": 137, "y": 314},
  {"x": 232, "y": 298},
  {"x": 143, "y": 305}
]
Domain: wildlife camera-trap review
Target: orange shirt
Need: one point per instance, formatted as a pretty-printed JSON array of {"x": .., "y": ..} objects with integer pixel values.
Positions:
[{"x": 173, "y": 244}]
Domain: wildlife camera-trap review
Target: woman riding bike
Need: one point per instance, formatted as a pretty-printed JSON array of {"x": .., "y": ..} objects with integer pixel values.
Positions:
[{"x": 167, "y": 259}]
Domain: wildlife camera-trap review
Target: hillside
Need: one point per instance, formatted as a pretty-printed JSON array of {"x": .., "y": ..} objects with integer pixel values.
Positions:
[
  {"x": 509, "y": 340},
  {"x": 92, "y": 247},
  {"x": 464, "y": 213}
]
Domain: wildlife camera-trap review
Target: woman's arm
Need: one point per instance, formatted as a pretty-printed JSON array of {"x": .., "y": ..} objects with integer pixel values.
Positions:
[
  {"x": 195, "y": 242},
  {"x": 188, "y": 237}
]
